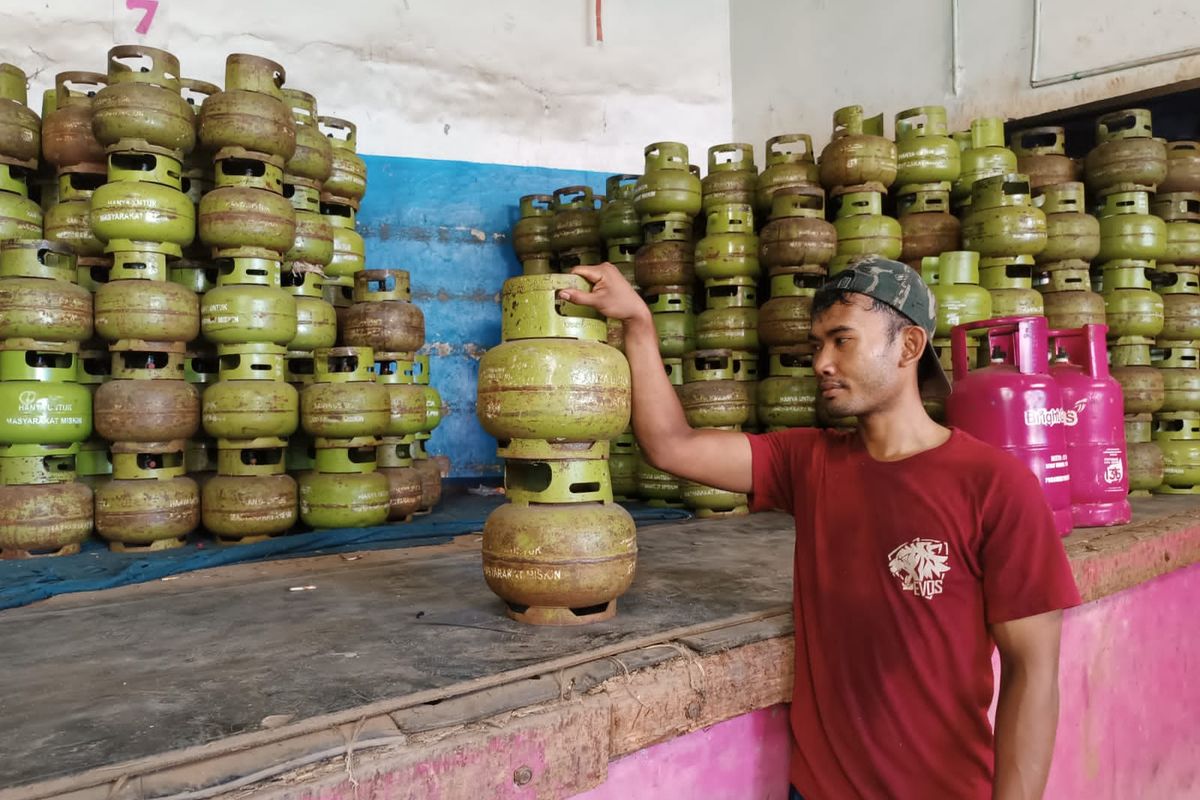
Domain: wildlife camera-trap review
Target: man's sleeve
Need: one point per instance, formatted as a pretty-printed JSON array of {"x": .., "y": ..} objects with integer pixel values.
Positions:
[
  {"x": 773, "y": 458},
  {"x": 1025, "y": 568}
]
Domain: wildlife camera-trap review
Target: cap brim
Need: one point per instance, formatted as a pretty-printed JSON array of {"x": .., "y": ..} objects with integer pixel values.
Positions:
[{"x": 931, "y": 378}]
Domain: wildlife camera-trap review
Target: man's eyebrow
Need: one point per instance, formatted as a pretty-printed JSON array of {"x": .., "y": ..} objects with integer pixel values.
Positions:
[{"x": 812, "y": 337}]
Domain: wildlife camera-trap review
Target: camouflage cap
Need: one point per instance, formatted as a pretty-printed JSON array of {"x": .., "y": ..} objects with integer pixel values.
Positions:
[{"x": 899, "y": 286}]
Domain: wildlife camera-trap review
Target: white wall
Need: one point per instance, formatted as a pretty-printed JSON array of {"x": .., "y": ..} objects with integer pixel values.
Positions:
[
  {"x": 505, "y": 81},
  {"x": 794, "y": 63}
]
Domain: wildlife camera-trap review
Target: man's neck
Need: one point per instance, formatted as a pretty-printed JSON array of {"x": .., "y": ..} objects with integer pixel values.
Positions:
[{"x": 900, "y": 431}]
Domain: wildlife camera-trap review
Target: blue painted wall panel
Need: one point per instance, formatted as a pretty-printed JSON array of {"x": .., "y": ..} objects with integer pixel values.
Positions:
[{"x": 447, "y": 223}]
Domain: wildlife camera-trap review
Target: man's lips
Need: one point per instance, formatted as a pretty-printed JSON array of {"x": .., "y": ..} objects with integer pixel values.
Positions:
[{"x": 827, "y": 387}]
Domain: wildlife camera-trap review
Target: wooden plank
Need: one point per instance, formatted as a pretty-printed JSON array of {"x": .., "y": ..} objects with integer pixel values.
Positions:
[
  {"x": 122, "y": 772},
  {"x": 693, "y": 691},
  {"x": 739, "y": 635}
]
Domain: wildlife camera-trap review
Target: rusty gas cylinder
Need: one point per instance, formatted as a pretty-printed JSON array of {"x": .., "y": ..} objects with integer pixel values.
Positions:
[
  {"x": 576, "y": 220},
  {"x": 619, "y": 220},
  {"x": 787, "y": 396},
  {"x": 1068, "y": 298},
  {"x": 1176, "y": 206},
  {"x": 67, "y": 138},
  {"x": 251, "y": 399},
  {"x": 148, "y": 308},
  {"x": 1042, "y": 155},
  {"x": 953, "y": 279},
  {"x": 312, "y": 161},
  {"x": 1071, "y": 233},
  {"x": 1179, "y": 363},
  {"x": 316, "y": 320},
  {"x": 667, "y": 186},
  {"x": 925, "y": 152},
  {"x": 69, "y": 221},
  {"x": 395, "y": 462},
  {"x": 858, "y": 158},
  {"x": 1141, "y": 384},
  {"x": 1179, "y": 287},
  {"x": 141, "y": 107},
  {"x": 665, "y": 263},
  {"x": 250, "y": 499},
  {"x": 708, "y": 502},
  {"x": 1067, "y": 294},
  {"x": 147, "y": 399},
  {"x": 349, "y": 250},
  {"x": 20, "y": 217},
  {"x": 1177, "y": 434},
  {"x": 430, "y": 473},
  {"x": 142, "y": 220},
  {"x": 312, "y": 246},
  {"x": 1183, "y": 168},
  {"x": 729, "y": 248},
  {"x": 345, "y": 490},
  {"x": 730, "y": 318},
  {"x": 250, "y": 116},
  {"x": 927, "y": 227},
  {"x": 531, "y": 235},
  {"x": 553, "y": 377},
  {"x": 248, "y": 304},
  {"x": 149, "y": 504},
  {"x": 1128, "y": 230},
  {"x": 583, "y": 560},
  {"x": 43, "y": 510},
  {"x": 38, "y": 296},
  {"x": 1002, "y": 220},
  {"x": 863, "y": 230},
  {"x": 732, "y": 176},
  {"x": 246, "y": 222},
  {"x": 711, "y": 395},
  {"x": 383, "y": 316},
  {"x": 797, "y": 234},
  {"x": 786, "y": 319},
  {"x": 409, "y": 413},
  {"x": 1009, "y": 280},
  {"x": 20, "y": 127},
  {"x": 983, "y": 156},
  {"x": 1127, "y": 157},
  {"x": 1144, "y": 458},
  {"x": 344, "y": 401},
  {"x": 791, "y": 166},
  {"x": 347, "y": 181},
  {"x": 674, "y": 319}
]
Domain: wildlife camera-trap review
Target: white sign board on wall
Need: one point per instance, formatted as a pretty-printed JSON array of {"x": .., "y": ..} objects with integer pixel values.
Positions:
[{"x": 1080, "y": 35}]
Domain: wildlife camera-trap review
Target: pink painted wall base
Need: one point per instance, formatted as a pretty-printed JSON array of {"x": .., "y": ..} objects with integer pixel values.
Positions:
[
  {"x": 742, "y": 758},
  {"x": 1129, "y": 725}
]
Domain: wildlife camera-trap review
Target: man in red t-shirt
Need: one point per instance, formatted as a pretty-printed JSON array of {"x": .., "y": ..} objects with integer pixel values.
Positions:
[{"x": 918, "y": 550}]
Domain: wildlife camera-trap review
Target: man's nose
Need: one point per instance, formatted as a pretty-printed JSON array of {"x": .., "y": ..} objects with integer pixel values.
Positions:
[{"x": 823, "y": 362}]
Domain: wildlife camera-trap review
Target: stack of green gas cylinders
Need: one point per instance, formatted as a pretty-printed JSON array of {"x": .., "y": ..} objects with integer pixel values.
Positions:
[{"x": 200, "y": 274}]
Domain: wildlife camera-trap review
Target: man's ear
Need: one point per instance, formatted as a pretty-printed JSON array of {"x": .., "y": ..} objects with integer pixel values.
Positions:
[{"x": 912, "y": 345}]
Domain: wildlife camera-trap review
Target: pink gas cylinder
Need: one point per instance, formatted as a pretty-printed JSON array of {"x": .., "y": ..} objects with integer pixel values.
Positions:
[
  {"x": 1094, "y": 426},
  {"x": 1014, "y": 404}
]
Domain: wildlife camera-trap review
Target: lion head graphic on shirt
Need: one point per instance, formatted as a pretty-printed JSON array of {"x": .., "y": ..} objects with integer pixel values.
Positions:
[{"x": 920, "y": 565}]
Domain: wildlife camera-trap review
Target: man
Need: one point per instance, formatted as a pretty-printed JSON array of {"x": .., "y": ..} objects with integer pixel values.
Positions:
[{"x": 918, "y": 549}]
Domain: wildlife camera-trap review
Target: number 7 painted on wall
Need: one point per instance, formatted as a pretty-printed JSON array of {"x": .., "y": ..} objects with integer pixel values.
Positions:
[{"x": 149, "y": 7}]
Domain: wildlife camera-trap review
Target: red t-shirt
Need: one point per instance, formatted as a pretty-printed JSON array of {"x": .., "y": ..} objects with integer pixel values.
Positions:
[{"x": 898, "y": 567}]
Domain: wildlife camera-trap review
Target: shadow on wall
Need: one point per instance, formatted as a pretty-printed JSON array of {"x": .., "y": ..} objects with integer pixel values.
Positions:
[{"x": 447, "y": 223}]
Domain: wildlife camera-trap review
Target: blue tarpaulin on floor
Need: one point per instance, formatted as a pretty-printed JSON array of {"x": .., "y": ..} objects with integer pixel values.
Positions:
[{"x": 95, "y": 567}]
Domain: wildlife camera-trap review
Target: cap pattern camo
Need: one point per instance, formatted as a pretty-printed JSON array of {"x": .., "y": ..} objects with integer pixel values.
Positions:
[{"x": 899, "y": 286}]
